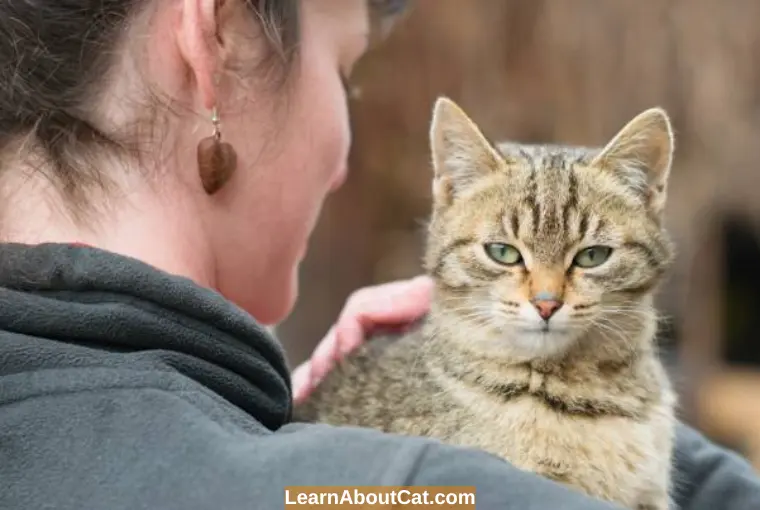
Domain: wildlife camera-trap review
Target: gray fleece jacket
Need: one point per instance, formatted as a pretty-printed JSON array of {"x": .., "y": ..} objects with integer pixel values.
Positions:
[{"x": 125, "y": 388}]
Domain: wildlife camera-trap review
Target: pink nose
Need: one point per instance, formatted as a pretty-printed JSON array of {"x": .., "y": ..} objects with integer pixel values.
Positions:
[{"x": 547, "y": 307}]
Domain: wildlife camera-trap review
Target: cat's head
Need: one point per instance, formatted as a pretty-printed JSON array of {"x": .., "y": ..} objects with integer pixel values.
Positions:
[{"x": 532, "y": 247}]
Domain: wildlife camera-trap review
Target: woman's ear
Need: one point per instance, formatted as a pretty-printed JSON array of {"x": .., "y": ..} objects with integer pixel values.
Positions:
[{"x": 198, "y": 43}]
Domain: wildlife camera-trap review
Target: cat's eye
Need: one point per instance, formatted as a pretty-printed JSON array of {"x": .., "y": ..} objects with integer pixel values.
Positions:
[
  {"x": 593, "y": 256},
  {"x": 504, "y": 253}
]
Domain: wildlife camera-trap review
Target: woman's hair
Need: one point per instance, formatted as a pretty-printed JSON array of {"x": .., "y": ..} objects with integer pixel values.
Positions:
[
  {"x": 55, "y": 60},
  {"x": 55, "y": 56}
]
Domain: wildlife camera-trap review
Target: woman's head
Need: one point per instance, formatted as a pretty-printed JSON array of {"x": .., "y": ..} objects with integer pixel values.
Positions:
[{"x": 103, "y": 105}]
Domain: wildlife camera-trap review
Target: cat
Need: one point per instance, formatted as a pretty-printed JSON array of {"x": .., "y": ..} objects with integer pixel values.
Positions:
[{"x": 539, "y": 345}]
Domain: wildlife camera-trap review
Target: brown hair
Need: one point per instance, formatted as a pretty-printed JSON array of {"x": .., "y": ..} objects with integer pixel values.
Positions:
[{"x": 53, "y": 57}]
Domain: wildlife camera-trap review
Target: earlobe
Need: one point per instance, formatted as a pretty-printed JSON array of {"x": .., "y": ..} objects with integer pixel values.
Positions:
[{"x": 197, "y": 36}]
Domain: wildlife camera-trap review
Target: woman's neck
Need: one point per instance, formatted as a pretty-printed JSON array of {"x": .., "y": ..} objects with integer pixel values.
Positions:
[{"x": 159, "y": 230}]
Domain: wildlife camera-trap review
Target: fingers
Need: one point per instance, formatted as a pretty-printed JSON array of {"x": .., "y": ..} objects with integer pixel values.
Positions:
[
  {"x": 390, "y": 306},
  {"x": 330, "y": 350},
  {"x": 391, "y": 303},
  {"x": 324, "y": 356},
  {"x": 302, "y": 384}
]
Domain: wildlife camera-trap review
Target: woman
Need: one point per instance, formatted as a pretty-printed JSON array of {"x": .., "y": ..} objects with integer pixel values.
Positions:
[{"x": 189, "y": 145}]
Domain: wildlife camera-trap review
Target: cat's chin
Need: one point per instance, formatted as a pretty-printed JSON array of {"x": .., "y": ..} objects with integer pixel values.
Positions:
[
  {"x": 533, "y": 343},
  {"x": 546, "y": 344}
]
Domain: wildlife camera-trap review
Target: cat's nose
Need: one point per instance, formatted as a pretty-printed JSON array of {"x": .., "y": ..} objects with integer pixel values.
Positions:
[{"x": 547, "y": 307}]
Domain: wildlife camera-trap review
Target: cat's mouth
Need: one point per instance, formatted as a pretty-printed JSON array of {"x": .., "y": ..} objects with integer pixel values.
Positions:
[{"x": 545, "y": 329}]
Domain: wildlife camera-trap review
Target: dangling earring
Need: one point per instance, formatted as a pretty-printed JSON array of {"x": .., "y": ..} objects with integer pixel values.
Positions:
[{"x": 217, "y": 160}]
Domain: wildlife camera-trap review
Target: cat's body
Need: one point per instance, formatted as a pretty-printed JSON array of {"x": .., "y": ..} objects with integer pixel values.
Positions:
[
  {"x": 568, "y": 423},
  {"x": 539, "y": 346}
]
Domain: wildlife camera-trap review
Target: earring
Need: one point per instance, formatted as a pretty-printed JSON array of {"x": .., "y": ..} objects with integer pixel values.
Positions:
[{"x": 217, "y": 160}]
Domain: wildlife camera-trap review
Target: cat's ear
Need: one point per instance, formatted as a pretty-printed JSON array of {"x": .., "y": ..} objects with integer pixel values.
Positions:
[
  {"x": 641, "y": 154},
  {"x": 461, "y": 153}
]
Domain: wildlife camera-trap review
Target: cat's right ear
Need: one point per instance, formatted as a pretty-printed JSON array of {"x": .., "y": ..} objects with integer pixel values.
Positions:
[
  {"x": 461, "y": 153},
  {"x": 641, "y": 154}
]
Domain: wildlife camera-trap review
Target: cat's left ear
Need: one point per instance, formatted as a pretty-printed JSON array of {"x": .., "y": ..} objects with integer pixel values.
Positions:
[
  {"x": 462, "y": 155},
  {"x": 642, "y": 154}
]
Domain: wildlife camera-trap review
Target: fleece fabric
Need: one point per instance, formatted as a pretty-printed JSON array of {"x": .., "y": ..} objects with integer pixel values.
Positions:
[{"x": 123, "y": 388}]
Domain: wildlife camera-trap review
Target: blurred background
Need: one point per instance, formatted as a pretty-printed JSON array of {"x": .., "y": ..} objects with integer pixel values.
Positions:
[{"x": 571, "y": 72}]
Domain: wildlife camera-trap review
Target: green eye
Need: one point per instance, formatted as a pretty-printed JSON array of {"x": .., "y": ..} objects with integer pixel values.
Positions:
[
  {"x": 592, "y": 257},
  {"x": 503, "y": 253}
]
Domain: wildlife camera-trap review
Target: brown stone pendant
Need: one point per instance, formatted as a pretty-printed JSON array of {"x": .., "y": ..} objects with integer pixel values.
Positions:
[{"x": 217, "y": 160}]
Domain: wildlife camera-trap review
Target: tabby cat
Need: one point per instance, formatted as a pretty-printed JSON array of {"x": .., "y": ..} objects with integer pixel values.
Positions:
[{"x": 539, "y": 346}]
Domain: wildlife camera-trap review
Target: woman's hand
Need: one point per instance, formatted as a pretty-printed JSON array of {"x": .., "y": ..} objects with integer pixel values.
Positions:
[{"x": 391, "y": 306}]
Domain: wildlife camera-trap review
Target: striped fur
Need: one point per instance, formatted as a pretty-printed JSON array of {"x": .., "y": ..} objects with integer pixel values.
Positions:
[{"x": 582, "y": 398}]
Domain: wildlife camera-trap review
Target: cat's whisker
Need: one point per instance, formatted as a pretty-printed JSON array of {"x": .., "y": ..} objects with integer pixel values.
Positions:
[
  {"x": 471, "y": 313},
  {"x": 625, "y": 309},
  {"x": 602, "y": 324},
  {"x": 630, "y": 319},
  {"x": 637, "y": 306},
  {"x": 614, "y": 329}
]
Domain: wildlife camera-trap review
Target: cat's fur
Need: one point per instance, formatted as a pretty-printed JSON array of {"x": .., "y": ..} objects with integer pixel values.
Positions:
[{"x": 585, "y": 401}]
